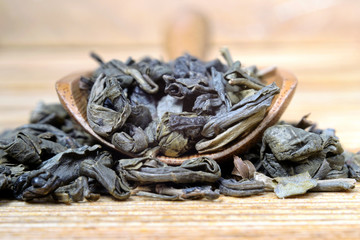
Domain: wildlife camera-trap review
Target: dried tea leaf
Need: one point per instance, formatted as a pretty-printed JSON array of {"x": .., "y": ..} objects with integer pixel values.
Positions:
[
  {"x": 247, "y": 107},
  {"x": 294, "y": 185},
  {"x": 170, "y": 193},
  {"x": 139, "y": 97},
  {"x": 232, "y": 133},
  {"x": 243, "y": 188},
  {"x": 187, "y": 87},
  {"x": 334, "y": 185},
  {"x": 140, "y": 116},
  {"x": 243, "y": 169},
  {"x": 29, "y": 149},
  {"x": 185, "y": 65},
  {"x": 268, "y": 182},
  {"x": 135, "y": 141},
  {"x": 76, "y": 191},
  {"x": 323, "y": 170},
  {"x": 66, "y": 165},
  {"x": 53, "y": 114},
  {"x": 152, "y": 170},
  {"x": 35, "y": 184},
  {"x": 275, "y": 168},
  {"x": 353, "y": 163},
  {"x": 289, "y": 143},
  {"x": 171, "y": 143},
  {"x": 235, "y": 72},
  {"x": 188, "y": 124},
  {"x": 49, "y": 132},
  {"x": 108, "y": 108},
  {"x": 115, "y": 184},
  {"x": 167, "y": 103},
  {"x": 219, "y": 85},
  {"x": 334, "y": 173},
  {"x": 208, "y": 104},
  {"x": 311, "y": 165},
  {"x": 111, "y": 70},
  {"x": 154, "y": 68}
]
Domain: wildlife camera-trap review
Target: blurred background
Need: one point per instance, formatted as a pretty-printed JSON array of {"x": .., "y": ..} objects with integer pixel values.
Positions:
[{"x": 317, "y": 40}]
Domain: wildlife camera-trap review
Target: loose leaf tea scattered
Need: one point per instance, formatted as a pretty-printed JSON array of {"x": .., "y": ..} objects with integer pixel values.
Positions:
[{"x": 152, "y": 107}]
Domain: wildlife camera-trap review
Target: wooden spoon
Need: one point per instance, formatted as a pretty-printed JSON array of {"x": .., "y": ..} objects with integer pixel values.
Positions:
[{"x": 75, "y": 100}]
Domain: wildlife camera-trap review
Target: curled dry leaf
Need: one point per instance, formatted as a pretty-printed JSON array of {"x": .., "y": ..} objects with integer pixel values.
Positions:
[{"x": 243, "y": 169}]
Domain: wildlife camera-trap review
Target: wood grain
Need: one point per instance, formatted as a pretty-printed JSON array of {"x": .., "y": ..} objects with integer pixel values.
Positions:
[{"x": 315, "y": 216}]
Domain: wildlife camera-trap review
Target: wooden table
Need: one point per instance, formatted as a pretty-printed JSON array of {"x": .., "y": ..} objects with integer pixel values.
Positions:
[
  {"x": 314, "y": 216},
  {"x": 326, "y": 64}
]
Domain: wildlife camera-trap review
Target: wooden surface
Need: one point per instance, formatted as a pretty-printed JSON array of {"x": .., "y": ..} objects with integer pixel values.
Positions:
[
  {"x": 313, "y": 216},
  {"x": 318, "y": 41}
]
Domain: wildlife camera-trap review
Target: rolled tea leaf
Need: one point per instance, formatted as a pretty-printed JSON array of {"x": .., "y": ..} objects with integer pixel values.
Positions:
[
  {"x": 140, "y": 116},
  {"x": 108, "y": 108},
  {"x": 260, "y": 100},
  {"x": 76, "y": 191},
  {"x": 243, "y": 188},
  {"x": 289, "y": 143},
  {"x": 66, "y": 165},
  {"x": 232, "y": 133},
  {"x": 134, "y": 141},
  {"x": 36, "y": 184},
  {"x": 143, "y": 80},
  {"x": 47, "y": 131},
  {"x": 171, "y": 143},
  {"x": 208, "y": 104},
  {"x": 115, "y": 184},
  {"x": 187, "y": 64},
  {"x": 353, "y": 162},
  {"x": 139, "y": 100},
  {"x": 275, "y": 168},
  {"x": 152, "y": 170},
  {"x": 334, "y": 185},
  {"x": 187, "y": 87},
  {"x": 154, "y": 68}
]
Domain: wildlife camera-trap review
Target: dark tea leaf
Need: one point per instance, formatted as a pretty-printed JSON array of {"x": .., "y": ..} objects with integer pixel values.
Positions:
[
  {"x": 108, "y": 107},
  {"x": 152, "y": 170}
]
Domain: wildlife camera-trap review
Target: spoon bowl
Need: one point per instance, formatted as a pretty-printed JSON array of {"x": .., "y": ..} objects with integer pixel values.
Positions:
[{"x": 74, "y": 101}]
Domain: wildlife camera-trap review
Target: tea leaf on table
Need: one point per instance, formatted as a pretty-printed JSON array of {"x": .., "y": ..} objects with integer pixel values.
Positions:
[
  {"x": 152, "y": 170},
  {"x": 294, "y": 185}
]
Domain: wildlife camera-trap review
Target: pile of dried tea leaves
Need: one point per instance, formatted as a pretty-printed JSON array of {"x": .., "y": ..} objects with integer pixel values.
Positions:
[
  {"x": 211, "y": 104},
  {"x": 175, "y": 108}
]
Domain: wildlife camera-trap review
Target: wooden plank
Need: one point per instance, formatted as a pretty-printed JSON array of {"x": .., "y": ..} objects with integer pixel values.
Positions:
[{"x": 311, "y": 216}]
